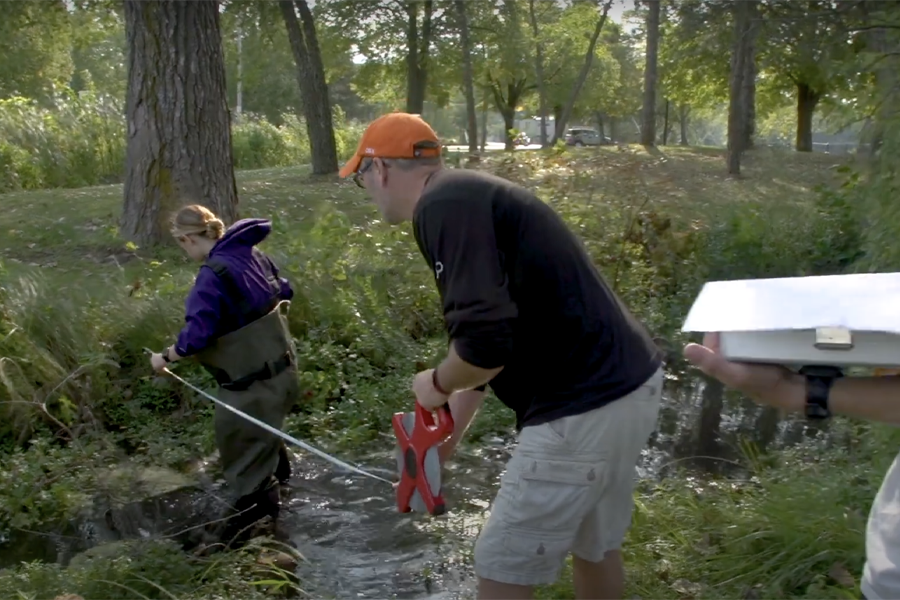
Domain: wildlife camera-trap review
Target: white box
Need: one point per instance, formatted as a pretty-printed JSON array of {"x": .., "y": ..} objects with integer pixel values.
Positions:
[{"x": 835, "y": 320}]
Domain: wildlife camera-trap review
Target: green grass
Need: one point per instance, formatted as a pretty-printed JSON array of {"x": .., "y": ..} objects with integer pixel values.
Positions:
[
  {"x": 796, "y": 529},
  {"x": 78, "y": 304}
]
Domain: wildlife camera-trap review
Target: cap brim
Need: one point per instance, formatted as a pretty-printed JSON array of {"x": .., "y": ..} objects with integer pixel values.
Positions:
[{"x": 350, "y": 166}]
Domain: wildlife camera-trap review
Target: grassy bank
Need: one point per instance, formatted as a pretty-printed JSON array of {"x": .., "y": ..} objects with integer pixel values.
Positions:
[
  {"x": 795, "y": 529},
  {"x": 78, "y": 305}
]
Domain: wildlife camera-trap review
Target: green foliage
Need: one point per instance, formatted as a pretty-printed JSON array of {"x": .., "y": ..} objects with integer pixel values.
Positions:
[
  {"x": 872, "y": 188},
  {"x": 152, "y": 569},
  {"x": 694, "y": 38},
  {"x": 267, "y": 69},
  {"x": 79, "y": 141},
  {"x": 75, "y": 140},
  {"x": 804, "y": 44},
  {"x": 34, "y": 45},
  {"x": 565, "y": 38},
  {"x": 99, "y": 48},
  {"x": 379, "y": 31}
]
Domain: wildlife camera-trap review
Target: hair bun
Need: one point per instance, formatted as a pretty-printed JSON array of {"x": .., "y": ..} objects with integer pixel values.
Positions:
[{"x": 215, "y": 228}]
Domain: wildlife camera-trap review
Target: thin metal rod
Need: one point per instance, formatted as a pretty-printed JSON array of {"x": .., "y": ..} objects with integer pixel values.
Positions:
[{"x": 279, "y": 433}]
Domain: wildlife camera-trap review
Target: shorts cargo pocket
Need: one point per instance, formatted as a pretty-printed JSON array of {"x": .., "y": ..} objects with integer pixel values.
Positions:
[
  {"x": 553, "y": 495},
  {"x": 539, "y": 554}
]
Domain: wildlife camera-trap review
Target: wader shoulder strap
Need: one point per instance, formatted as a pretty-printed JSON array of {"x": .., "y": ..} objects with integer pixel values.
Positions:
[{"x": 220, "y": 268}]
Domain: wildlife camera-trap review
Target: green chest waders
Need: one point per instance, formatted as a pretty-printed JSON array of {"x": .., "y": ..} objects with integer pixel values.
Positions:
[{"x": 255, "y": 367}]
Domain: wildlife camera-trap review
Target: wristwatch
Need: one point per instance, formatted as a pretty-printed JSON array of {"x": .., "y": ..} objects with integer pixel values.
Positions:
[
  {"x": 165, "y": 354},
  {"x": 818, "y": 387}
]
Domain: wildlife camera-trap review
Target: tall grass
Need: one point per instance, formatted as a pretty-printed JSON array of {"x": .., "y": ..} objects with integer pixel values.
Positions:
[
  {"x": 151, "y": 570},
  {"x": 794, "y": 529},
  {"x": 78, "y": 139}
]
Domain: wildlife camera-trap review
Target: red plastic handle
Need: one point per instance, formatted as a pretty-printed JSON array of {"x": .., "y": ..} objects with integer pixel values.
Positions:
[{"x": 436, "y": 431}]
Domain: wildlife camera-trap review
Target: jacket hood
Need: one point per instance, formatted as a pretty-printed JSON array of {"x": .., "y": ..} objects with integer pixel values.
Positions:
[{"x": 245, "y": 233}]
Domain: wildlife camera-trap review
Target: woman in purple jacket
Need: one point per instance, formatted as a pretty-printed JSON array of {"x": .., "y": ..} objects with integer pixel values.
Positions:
[{"x": 234, "y": 327}]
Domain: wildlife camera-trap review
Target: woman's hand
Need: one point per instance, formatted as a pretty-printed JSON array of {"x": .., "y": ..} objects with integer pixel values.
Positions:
[{"x": 158, "y": 362}]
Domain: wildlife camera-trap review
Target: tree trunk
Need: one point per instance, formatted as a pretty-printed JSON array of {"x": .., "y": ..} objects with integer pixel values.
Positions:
[
  {"x": 560, "y": 127},
  {"x": 417, "y": 52},
  {"x": 736, "y": 105},
  {"x": 557, "y": 114},
  {"x": 468, "y": 77},
  {"x": 749, "y": 77},
  {"x": 807, "y": 99},
  {"x": 666, "y": 125},
  {"x": 239, "y": 95},
  {"x": 600, "y": 123},
  {"x": 539, "y": 72},
  {"x": 683, "y": 112},
  {"x": 509, "y": 122},
  {"x": 178, "y": 125},
  {"x": 484, "y": 116},
  {"x": 507, "y": 105},
  {"x": 766, "y": 427},
  {"x": 313, "y": 87},
  {"x": 706, "y": 436},
  {"x": 648, "y": 114}
]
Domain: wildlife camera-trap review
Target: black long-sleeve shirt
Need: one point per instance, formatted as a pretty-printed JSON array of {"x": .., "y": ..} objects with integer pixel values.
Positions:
[{"x": 519, "y": 291}]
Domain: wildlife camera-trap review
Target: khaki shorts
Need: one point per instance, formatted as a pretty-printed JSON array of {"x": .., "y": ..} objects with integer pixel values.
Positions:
[{"x": 567, "y": 488}]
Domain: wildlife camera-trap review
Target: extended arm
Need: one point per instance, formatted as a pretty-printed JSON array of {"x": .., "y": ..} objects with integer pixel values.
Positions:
[
  {"x": 478, "y": 309},
  {"x": 872, "y": 398},
  {"x": 203, "y": 308}
]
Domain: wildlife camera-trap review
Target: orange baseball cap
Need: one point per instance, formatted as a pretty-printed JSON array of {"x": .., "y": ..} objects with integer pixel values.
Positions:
[{"x": 394, "y": 135}]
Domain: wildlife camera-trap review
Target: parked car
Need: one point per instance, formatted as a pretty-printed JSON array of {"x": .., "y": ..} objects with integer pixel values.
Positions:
[{"x": 584, "y": 136}]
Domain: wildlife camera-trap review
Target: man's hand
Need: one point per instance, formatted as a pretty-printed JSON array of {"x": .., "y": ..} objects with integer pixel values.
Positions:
[
  {"x": 772, "y": 385},
  {"x": 157, "y": 362},
  {"x": 426, "y": 394}
]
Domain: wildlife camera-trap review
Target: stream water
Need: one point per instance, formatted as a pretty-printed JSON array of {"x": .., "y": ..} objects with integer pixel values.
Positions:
[{"x": 357, "y": 545}]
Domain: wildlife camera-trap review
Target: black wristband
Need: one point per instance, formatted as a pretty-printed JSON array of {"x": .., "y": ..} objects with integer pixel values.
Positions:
[
  {"x": 819, "y": 380},
  {"x": 165, "y": 354},
  {"x": 437, "y": 386}
]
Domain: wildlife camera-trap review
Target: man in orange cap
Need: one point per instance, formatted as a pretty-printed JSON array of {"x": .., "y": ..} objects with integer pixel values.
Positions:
[{"x": 528, "y": 313}]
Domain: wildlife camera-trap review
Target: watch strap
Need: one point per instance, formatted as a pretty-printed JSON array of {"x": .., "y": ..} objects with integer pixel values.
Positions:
[{"x": 819, "y": 380}]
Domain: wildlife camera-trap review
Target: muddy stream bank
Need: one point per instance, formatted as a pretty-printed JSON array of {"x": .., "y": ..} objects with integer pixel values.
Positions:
[{"x": 347, "y": 527}]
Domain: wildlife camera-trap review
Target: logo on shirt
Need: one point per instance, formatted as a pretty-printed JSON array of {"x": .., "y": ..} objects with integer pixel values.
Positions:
[{"x": 438, "y": 269}]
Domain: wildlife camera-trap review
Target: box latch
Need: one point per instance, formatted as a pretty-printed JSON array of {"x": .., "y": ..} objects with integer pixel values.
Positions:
[{"x": 833, "y": 338}]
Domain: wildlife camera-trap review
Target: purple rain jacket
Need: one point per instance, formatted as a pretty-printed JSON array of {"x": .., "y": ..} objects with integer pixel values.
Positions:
[{"x": 209, "y": 313}]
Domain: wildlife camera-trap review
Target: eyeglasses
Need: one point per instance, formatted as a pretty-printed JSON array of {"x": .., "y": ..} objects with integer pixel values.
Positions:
[{"x": 357, "y": 177}]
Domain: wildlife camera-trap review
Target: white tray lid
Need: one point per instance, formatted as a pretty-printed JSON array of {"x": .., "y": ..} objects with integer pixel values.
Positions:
[{"x": 858, "y": 302}]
